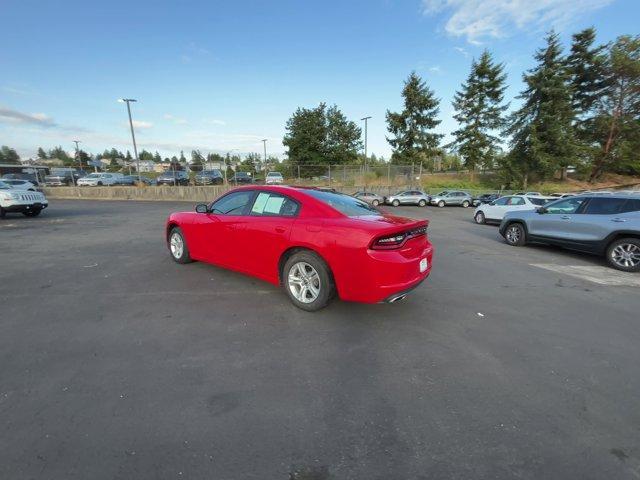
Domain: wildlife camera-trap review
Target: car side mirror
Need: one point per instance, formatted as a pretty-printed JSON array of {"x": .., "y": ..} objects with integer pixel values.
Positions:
[
  {"x": 541, "y": 210},
  {"x": 202, "y": 208}
]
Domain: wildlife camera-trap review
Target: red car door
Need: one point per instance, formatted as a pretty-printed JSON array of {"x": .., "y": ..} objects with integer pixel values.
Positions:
[
  {"x": 265, "y": 235},
  {"x": 216, "y": 232}
]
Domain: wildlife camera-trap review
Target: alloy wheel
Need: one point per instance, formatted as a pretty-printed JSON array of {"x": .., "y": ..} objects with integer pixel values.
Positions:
[
  {"x": 177, "y": 245},
  {"x": 513, "y": 234},
  {"x": 304, "y": 282},
  {"x": 626, "y": 255}
]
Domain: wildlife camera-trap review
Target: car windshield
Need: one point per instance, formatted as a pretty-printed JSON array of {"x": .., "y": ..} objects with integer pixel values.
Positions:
[
  {"x": 210, "y": 173},
  {"x": 443, "y": 193},
  {"x": 4, "y": 186},
  {"x": 274, "y": 174},
  {"x": 171, "y": 173},
  {"x": 345, "y": 204}
]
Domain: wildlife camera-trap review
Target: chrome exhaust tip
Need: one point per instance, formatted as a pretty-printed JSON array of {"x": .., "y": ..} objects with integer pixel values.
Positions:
[{"x": 398, "y": 298}]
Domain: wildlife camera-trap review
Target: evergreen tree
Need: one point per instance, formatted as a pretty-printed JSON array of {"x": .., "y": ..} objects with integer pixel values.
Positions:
[
  {"x": 321, "y": 136},
  {"x": 586, "y": 65},
  {"x": 541, "y": 130},
  {"x": 479, "y": 111},
  {"x": 197, "y": 160},
  {"x": 411, "y": 129},
  {"x": 157, "y": 158},
  {"x": 9, "y": 155},
  {"x": 617, "y": 123},
  {"x": 183, "y": 159},
  {"x": 42, "y": 155}
]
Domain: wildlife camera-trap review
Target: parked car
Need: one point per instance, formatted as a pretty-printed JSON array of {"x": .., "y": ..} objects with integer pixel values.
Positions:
[
  {"x": 126, "y": 180},
  {"x": 369, "y": 197},
  {"x": 274, "y": 178},
  {"x": 606, "y": 225},
  {"x": 21, "y": 184},
  {"x": 315, "y": 243},
  {"x": 209, "y": 177},
  {"x": 99, "y": 179},
  {"x": 561, "y": 195},
  {"x": 173, "y": 177},
  {"x": 60, "y": 177},
  {"x": 454, "y": 197},
  {"x": 485, "y": 198},
  {"x": 22, "y": 201},
  {"x": 29, "y": 177},
  {"x": 408, "y": 197},
  {"x": 241, "y": 178},
  {"x": 495, "y": 210}
]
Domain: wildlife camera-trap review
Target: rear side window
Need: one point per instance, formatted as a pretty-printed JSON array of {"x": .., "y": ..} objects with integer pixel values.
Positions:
[
  {"x": 632, "y": 205},
  {"x": 349, "y": 206},
  {"x": 516, "y": 201},
  {"x": 605, "y": 206},
  {"x": 273, "y": 204},
  {"x": 502, "y": 201}
]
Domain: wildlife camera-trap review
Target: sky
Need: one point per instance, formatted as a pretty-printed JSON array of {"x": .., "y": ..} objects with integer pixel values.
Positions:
[{"x": 221, "y": 76}]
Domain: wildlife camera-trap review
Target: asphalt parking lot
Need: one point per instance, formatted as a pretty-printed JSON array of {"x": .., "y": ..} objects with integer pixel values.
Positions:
[{"x": 117, "y": 363}]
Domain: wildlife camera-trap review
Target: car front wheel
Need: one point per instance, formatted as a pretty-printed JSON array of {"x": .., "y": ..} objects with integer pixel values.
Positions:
[
  {"x": 441, "y": 203},
  {"x": 396, "y": 203},
  {"x": 422, "y": 203},
  {"x": 465, "y": 204},
  {"x": 624, "y": 254},
  {"x": 480, "y": 218},
  {"x": 515, "y": 235},
  {"x": 375, "y": 203},
  {"x": 307, "y": 281},
  {"x": 178, "y": 247}
]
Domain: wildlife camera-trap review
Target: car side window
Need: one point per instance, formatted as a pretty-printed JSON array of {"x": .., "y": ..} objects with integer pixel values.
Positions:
[
  {"x": 632, "y": 205},
  {"x": 272, "y": 204},
  {"x": 604, "y": 206},
  {"x": 502, "y": 201},
  {"x": 233, "y": 203},
  {"x": 570, "y": 205},
  {"x": 516, "y": 201}
]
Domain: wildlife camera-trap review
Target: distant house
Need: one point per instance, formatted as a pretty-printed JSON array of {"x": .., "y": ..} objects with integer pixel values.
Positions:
[
  {"x": 161, "y": 167},
  {"x": 147, "y": 166}
]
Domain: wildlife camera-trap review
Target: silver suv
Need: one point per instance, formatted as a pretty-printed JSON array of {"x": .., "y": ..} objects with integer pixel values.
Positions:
[
  {"x": 452, "y": 197},
  {"x": 408, "y": 197},
  {"x": 600, "y": 224}
]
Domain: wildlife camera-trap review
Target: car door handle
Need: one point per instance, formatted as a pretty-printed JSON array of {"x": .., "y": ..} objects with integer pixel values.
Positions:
[
  {"x": 565, "y": 217},
  {"x": 280, "y": 229},
  {"x": 619, "y": 220}
]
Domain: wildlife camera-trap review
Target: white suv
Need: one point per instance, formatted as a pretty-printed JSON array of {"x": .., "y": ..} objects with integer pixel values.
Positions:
[
  {"x": 99, "y": 179},
  {"x": 494, "y": 211},
  {"x": 273, "y": 178},
  {"x": 22, "y": 201}
]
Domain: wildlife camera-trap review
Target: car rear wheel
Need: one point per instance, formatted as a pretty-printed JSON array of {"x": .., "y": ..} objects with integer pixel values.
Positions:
[
  {"x": 396, "y": 203},
  {"x": 375, "y": 203},
  {"x": 441, "y": 203},
  {"x": 480, "y": 218},
  {"x": 422, "y": 203},
  {"x": 32, "y": 213},
  {"x": 465, "y": 204},
  {"x": 515, "y": 235},
  {"x": 624, "y": 254},
  {"x": 178, "y": 247},
  {"x": 307, "y": 281}
]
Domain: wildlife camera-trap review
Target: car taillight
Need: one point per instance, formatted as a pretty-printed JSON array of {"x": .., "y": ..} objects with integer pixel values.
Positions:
[{"x": 396, "y": 240}]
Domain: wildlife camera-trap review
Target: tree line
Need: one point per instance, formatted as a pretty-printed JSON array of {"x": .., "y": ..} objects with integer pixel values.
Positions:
[{"x": 580, "y": 109}]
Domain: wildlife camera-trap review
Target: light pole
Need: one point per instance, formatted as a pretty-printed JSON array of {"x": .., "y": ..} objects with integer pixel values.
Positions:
[
  {"x": 133, "y": 135},
  {"x": 79, "y": 160},
  {"x": 264, "y": 143},
  {"x": 365, "y": 151}
]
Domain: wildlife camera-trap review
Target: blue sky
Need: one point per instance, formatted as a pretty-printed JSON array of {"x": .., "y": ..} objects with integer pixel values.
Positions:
[{"x": 220, "y": 76}]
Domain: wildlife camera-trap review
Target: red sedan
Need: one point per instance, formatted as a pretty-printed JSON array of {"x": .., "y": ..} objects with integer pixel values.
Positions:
[{"x": 314, "y": 243}]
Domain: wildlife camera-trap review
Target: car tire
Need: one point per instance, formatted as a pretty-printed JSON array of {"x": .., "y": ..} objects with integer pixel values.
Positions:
[
  {"x": 396, "y": 203},
  {"x": 422, "y": 203},
  {"x": 441, "y": 203},
  {"x": 515, "y": 234},
  {"x": 375, "y": 203},
  {"x": 624, "y": 254},
  {"x": 303, "y": 270},
  {"x": 32, "y": 213},
  {"x": 3, "y": 212},
  {"x": 465, "y": 204},
  {"x": 480, "y": 218},
  {"x": 178, "y": 246},
  {"x": 99, "y": 184}
]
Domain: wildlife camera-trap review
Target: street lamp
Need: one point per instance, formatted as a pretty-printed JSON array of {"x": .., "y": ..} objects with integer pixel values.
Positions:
[
  {"x": 133, "y": 136},
  {"x": 264, "y": 143},
  {"x": 365, "y": 152},
  {"x": 79, "y": 160}
]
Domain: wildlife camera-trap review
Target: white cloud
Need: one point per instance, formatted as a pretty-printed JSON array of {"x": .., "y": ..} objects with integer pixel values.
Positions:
[
  {"x": 174, "y": 119},
  {"x": 142, "y": 124},
  {"x": 214, "y": 121},
  {"x": 435, "y": 69},
  {"x": 461, "y": 51},
  {"x": 9, "y": 115},
  {"x": 477, "y": 20}
]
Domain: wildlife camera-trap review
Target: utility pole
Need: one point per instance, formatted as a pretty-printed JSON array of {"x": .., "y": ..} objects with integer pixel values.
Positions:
[
  {"x": 264, "y": 143},
  {"x": 73, "y": 177},
  {"x": 365, "y": 152},
  {"x": 133, "y": 135}
]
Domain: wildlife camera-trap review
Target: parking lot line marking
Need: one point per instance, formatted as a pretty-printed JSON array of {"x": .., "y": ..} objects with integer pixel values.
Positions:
[{"x": 595, "y": 274}]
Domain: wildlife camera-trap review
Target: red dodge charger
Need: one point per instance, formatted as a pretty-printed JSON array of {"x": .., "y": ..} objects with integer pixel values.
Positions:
[{"x": 313, "y": 242}]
